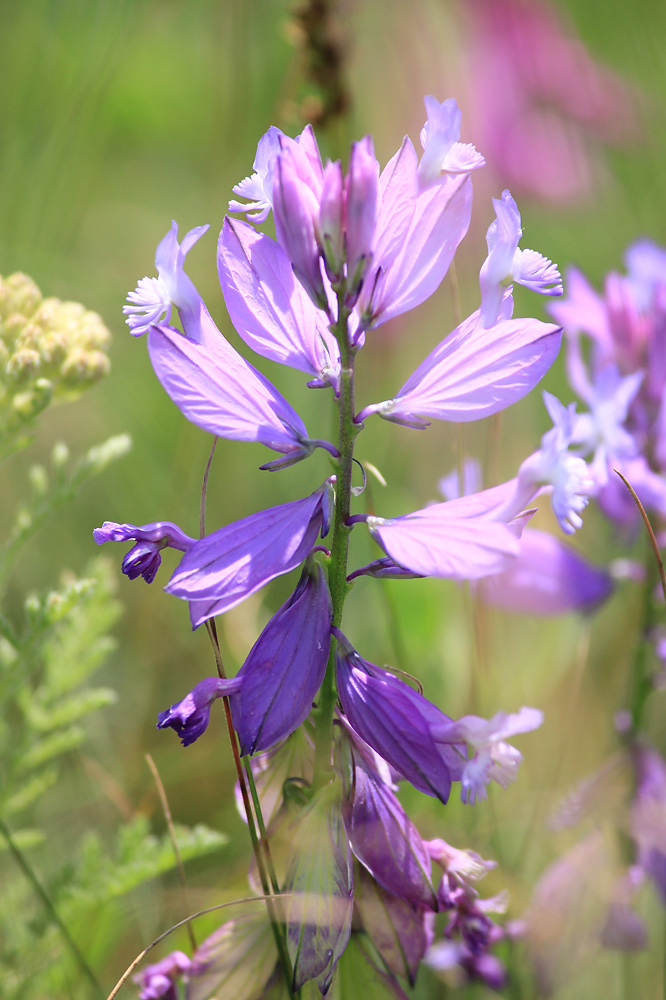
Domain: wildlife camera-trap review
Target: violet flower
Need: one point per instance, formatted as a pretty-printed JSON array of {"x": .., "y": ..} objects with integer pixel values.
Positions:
[
  {"x": 221, "y": 569},
  {"x": 219, "y": 391},
  {"x": 473, "y": 373},
  {"x": 285, "y": 668},
  {"x": 153, "y": 298},
  {"x": 144, "y": 558},
  {"x": 189, "y": 717},
  {"x": 160, "y": 981},
  {"x": 442, "y": 151},
  {"x": 506, "y": 262},
  {"x": 395, "y": 721}
]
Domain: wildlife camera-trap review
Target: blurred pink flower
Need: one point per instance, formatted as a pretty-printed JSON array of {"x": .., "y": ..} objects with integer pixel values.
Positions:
[{"x": 539, "y": 104}]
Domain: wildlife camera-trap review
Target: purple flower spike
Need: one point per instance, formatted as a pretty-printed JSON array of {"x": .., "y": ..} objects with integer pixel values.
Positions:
[
  {"x": 153, "y": 298},
  {"x": 144, "y": 558},
  {"x": 384, "y": 839},
  {"x": 189, "y": 717},
  {"x": 442, "y": 152},
  {"x": 269, "y": 308},
  {"x": 474, "y": 372},
  {"x": 285, "y": 667},
  {"x": 159, "y": 981},
  {"x": 222, "y": 393},
  {"x": 547, "y": 578},
  {"x": 395, "y": 721},
  {"x": 222, "y": 569},
  {"x": 505, "y": 262},
  {"x": 456, "y": 539}
]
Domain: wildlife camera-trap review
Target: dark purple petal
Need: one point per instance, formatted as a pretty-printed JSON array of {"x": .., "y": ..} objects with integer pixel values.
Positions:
[
  {"x": 384, "y": 839},
  {"x": 285, "y": 667},
  {"x": 222, "y": 569},
  {"x": 395, "y": 721},
  {"x": 144, "y": 558},
  {"x": 189, "y": 717}
]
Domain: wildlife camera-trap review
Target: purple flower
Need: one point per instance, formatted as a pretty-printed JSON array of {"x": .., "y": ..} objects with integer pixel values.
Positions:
[
  {"x": 474, "y": 372},
  {"x": 648, "y": 815},
  {"x": 442, "y": 152},
  {"x": 144, "y": 558},
  {"x": 493, "y": 759},
  {"x": 189, "y": 717},
  {"x": 153, "y": 298},
  {"x": 395, "y": 721},
  {"x": 458, "y": 539},
  {"x": 296, "y": 200},
  {"x": 270, "y": 309},
  {"x": 221, "y": 392},
  {"x": 506, "y": 262},
  {"x": 382, "y": 836},
  {"x": 223, "y": 568},
  {"x": 547, "y": 578},
  {"x": 285, "y": 668},
  {"x": 159, "y": 981},
  {"x": 360, "y": 213}
]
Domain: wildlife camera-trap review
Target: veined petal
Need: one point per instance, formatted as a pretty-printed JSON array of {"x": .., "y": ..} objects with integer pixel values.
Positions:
[
  {"x": 222, "y": 569},
  {"x": 269, "y": 308},
  {"x": 475, "y": 372},
  {"x": 450, "y": 539},
  {"x": 438, "y": 224},
  {"x": 220, "y": 391},
  {"x": 285, "y": 667}
]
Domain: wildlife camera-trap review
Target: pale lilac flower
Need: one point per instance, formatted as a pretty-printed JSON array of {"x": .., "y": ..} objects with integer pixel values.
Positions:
[
  {"x": 442, "y": 151},
  {"x": 153, "y": 298},
  {"x": 221, "y": 569},
  {"x": 258, "y": 188},
  {"x": 296, "y": 199},
  {"x": 159, "y": 981},
  {"x": 269, "y": 308},
  {"x": 189, "y": 717},
  {"x": 458, "y": 539},
  {"x": 285, "y": 668},
  {"x": 222, "y": 393},
  {"x": 144, "y": 558},
  {"x": 547, "y": 578},
  {"x": 493, "y": 758},
  {"x": 396, "y": 721},
  {"x": 360, "y": 213},
  {"x": 603, "y": 430},
  {"x": 506, "y": 262},
  {"x": 474, "y": 372}
]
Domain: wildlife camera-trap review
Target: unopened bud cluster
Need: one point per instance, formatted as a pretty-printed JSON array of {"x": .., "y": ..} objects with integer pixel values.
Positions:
[{"x": 49, "y": 350}]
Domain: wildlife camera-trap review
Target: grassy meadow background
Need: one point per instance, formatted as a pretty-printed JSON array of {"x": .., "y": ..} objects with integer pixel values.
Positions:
[{"x": 116, "y": 118}]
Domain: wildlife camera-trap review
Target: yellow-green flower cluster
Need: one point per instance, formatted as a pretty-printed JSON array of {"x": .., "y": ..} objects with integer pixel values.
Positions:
[{"x": 49, "y": 350}]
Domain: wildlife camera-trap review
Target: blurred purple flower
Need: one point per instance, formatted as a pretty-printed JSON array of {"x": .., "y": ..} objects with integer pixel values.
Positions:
[
  {"x": 221, "y": 569},
  {"x": 648, "y": 815},
  {"x": 160, "y": 981},
  {"x": 189, "y": 717},
  {"x": 144, "y": 558}
]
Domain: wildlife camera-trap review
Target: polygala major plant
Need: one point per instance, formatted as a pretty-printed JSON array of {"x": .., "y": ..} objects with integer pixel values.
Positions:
[{"x": 353, "y": 250}]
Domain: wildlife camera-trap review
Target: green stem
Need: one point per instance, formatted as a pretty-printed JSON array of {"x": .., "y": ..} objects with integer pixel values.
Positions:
[
  {"x": 30, "y": 874},
  {"x": 337, "y": 568}
]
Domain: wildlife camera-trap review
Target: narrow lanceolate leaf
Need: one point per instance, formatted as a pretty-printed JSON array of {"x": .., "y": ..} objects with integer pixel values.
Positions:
[
  {"x": 269, "y": 308},
  {"x": 222, "y": 569},
  {"x": 319, "y": 888},
  {"x": 475, "y": 372},
  {"x": 220, "y": 391},
  {"x": 285, "y": 667},
  {"x": 401, "y": 933}
]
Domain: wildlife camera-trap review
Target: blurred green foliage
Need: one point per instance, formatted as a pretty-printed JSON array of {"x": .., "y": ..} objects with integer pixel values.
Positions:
[{"x": 116, "y": 118}]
